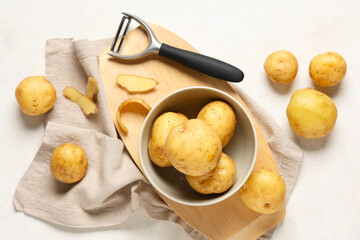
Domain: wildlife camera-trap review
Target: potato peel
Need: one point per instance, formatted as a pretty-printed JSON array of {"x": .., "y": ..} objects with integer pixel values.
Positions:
[
  {"x": 134, "y": 100},
  {"x": 86, "y": 104},
  {"x": 136, "y": 84},
  {"x": 91, "y": 88}
]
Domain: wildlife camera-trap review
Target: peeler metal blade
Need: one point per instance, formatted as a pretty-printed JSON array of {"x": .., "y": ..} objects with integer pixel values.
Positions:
[{"x": 152, "y": 48}]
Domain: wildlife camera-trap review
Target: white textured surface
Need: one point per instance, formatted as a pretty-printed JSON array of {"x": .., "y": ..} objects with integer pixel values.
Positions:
[{"x": 326, "y": 200}]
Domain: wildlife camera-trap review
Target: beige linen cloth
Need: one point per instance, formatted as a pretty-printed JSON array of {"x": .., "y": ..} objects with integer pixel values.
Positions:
[{"x": 113, "y": 186}]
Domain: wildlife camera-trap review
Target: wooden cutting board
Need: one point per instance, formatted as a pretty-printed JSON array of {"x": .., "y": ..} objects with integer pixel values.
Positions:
[{"x": 229, "y": 219}]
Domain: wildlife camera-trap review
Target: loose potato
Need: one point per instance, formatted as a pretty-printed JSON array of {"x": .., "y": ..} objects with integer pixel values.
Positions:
[
  {"x": 35, "y": 95},
  {"x": 193, "y": 148},
  {"x": 218, "y": 180},
  {"x": 281, "y": 67},
  {"x": 327, "y": 69},
  {"x": 263, "y": 192},
  {"x": 311, "y": 114},
  {"x": 221, "y": 118},
  {"x": 68, "y": 163},
  {"x": 159, "y": 132}
]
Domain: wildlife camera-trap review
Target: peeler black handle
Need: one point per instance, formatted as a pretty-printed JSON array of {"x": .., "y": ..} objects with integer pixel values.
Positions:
[{"x": 202, "y": 63}]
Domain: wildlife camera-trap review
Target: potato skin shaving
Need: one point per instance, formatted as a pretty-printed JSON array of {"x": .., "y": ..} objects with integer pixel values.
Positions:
[
  {"x": 136, "y": 84},
  {"x": 91, "y": 88},
  {"x": 134, "y": 100},
  {"x": 86, "y": 104}
]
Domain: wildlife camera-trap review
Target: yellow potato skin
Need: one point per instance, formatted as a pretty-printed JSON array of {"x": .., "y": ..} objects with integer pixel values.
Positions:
[
  {"x": 159, "y": 132},
  {"x": 327, "y": 69},
  {"x": 311, "y": 114},
  {"x": 35, "y": 95},
  {"x": 263, "y": 192},
  {"x": 193, "y": 148},
  {"x": 221, "y": 118},
  {"x": 218, "y": 180},
  {"x": 281, "y": 67},
  {"x": 68, "y": 163}
]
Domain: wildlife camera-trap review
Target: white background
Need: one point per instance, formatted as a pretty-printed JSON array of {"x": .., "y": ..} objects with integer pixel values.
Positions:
[{"x": 325, "y": 203}]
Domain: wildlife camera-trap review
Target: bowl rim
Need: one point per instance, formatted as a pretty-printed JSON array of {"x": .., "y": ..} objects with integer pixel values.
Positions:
[{"x": 222, "y": 197}]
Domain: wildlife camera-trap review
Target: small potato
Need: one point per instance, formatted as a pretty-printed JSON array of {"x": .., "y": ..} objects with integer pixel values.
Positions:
[
  {"x": 281, "y": 67},
  {"x": 159, "y": 132},
  {"x": 263, "y": 192},
  {"x": 35, "y": 95},
  {"x": 68, "y": 163},
  {"x": 218, "y": 180},
  {"x": 221, "y": 118},
  {"x": 311, "y": 113},
  {"x": 193, "y": 148},
  {"x": 327, "y": 69}
]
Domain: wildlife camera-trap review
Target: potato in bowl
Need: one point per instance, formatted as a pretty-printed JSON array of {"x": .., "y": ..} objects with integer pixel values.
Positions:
[
  {"x": 218, "y": 180},
  {"x": 193, "y": 148},
  {"x": 221, "y": 118},
  {"x": 159, "y": 132}
]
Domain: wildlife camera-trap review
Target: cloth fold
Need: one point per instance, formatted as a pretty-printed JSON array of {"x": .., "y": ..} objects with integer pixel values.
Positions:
[{"x": 113, "y": 186}]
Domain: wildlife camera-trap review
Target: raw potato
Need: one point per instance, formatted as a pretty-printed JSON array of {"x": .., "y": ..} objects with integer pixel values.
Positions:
[
  {"x": 218, "y": 180},
  {"x": 263, "y": 192},
  {"x": 193, "y": 148},
  {"x": 86, "y": 104},
  {"x": 221, "y": 118},
  {"x": 35, "y": 95},
  {"x": 281, "y": 67},
  {"x": 311, "y": 114},
  {"x": 135, "y": 100},
  {"x": 159, "y": 132},
  {"x": 91, "y": 88},
  {"x": 136, "y": 84},
  {"x": 68, "y": 163},
  {"x": 327, "y": 69}
]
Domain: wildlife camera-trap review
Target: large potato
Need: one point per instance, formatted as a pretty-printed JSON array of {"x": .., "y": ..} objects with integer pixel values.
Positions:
[
  {"x": 221, "y": 118},
  {"x": 159, "y": 132},
  {"x": 68, "y": 163},
  {"x": 263, "y": 192},
  {"x": 193, "y": 148},
  {"x": 327, "y": 69},
  {"x": 35, "y": 95},
  {"x": 218, "y": 180},
  {"x": 281, "y": 67},
  {"x": 311, "y": 114}
]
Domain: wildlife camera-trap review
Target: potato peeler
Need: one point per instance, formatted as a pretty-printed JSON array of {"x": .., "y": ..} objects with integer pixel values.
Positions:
[{"x": 204, "y": 64}]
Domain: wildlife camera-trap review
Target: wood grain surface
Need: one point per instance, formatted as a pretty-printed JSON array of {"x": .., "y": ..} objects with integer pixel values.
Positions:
[{"x": 229, "y": 219}]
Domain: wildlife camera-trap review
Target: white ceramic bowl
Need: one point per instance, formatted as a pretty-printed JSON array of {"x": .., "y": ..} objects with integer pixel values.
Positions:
[{"x": 242, "y": 148}]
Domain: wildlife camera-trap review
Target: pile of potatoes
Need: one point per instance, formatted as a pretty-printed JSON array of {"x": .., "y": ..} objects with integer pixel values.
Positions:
[
  {"x": 194, "y": 146},
  {"x": 311, "y": 113}
]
